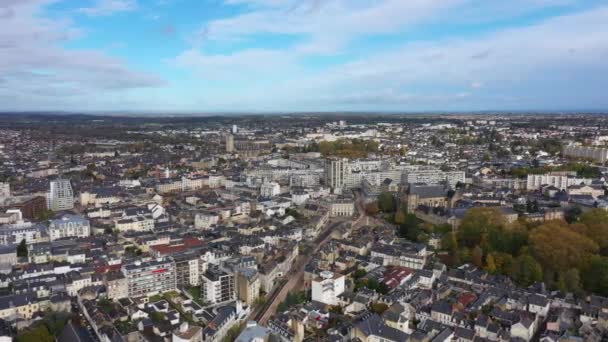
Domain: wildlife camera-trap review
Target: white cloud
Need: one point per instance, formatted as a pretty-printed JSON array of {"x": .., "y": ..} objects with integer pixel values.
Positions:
[
  {"x": 546, "y": 59},
  {"x": 109, "y": 7},
  {"x": 34, "y": 66}
]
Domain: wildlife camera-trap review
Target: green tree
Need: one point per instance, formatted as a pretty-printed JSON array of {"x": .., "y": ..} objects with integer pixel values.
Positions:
[
  {"x": 596, "y": 221},
  {"x": 22, "y": 249},
  {"x": 476, "y": 223},
  {"x": 37, "y": 334},
  {"x": 595, "y": 275},
  {"x": 386, "y": 202}
]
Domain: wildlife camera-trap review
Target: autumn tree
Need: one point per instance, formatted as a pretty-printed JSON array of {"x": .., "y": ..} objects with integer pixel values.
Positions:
[
  {"x": 476, "y": 223},
  {"x": 596, "y": 221},
  {"x": 559, "y": 248},
  {"x": 477, "y": 256}
]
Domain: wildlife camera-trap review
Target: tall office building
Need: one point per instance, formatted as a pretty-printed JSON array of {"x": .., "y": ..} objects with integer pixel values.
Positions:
[
  {"x": 235, "y": 129},
  {"x": 335, "y": 172},
  {"x": 229, "y": 143},
  {"x": 60, "y": 196}
]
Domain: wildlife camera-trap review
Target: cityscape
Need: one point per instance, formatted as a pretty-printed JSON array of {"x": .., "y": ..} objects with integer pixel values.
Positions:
[
  {"x": 358, "y": 227},
  {"x": 303, "y": 171}
]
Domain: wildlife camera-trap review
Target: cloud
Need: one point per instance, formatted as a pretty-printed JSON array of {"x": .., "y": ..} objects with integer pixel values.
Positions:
[
  {"x": 109, "y": 7},
  {"x": 548, "y": 59},
  {"x": 35, "y": 65}
]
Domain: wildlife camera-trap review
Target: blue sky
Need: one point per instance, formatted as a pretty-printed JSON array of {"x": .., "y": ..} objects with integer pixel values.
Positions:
[{"x": 303, "y": 55}]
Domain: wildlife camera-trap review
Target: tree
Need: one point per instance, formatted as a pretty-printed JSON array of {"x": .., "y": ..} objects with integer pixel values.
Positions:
[
  {"x": 559, "y": 248},
  {"x": 595, "y": 275},
  {"x": 372, "y": 209},
  {"x": 528, "y": 271},
  {"x": 410, "y": 229},
  {"x": 22, "y": 249},
  {"x": 490, "y": 264},
  {"x": 378, "y": 308},
  {"x": 476, "y": 223},
  {"x": 400, "y": 216},
  {"x": 386, "y": 202},
  {"x": 570, "y": 281},
  {"x": 38, "y": 334},
  {"x": 596, "y": 221},
  {"x": 477, "y": 256},
  {"x": 572, "y": 214}
]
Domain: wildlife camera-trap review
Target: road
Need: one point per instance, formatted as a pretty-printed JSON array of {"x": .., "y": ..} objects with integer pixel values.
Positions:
[{"x": 295, "y": 278}]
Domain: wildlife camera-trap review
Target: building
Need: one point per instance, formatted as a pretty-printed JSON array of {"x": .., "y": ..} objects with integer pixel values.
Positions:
[
  {"x": 229, "y": 143},
  {"x": 433, "y": 176},
  {"x": 560, "y": 180},
  {"x": 5, "y": 191},
  {"x": 270, "y": 189},
  {"x": 188, "y": 333},
  {"x": 335, "y": 172},
  {"x": 61, "y": 195},
  {"x": 427, "y": 195},
  {"x": 8, "y": 258},
  {"x": 69, "y": 226},
  {"x": 342, "y": 207},
  {"x": 597, "y": 154},
  {"x": 217, "y": 285},
  {"x": 327, "y": 287},
  {"x": 148, "y": 278},
  {"x": 248, "y": 285},
  {"x": 140, "y": 223},
  {"x": 116, "y": 285},
  {"x": 33, "y": 207}
]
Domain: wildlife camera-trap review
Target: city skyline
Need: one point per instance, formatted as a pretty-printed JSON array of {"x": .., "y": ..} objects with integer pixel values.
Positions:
[{"x": 284, "y": 55}]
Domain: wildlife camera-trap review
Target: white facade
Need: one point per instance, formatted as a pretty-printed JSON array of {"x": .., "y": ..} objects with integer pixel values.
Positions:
[
  {"x": 434, "y": 176},
  {"x": 327, "y": 287},
  {"x": 69, "y": 226},
  {"x": 559, "y": 180},
  {"x": 60, "y": 196},
  {"x": 270, "y": 189}
]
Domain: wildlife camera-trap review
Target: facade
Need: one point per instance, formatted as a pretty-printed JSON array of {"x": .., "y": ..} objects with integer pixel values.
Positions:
[
  {"x": 69, "y": 226},
  {"x": 217, "y": 285},
  {"x": 560, "y": 180},
  {"x": 336, "y": 170},
  {"x": 229, "y": 143},
  {"x": 327, "y": 287},
  {"x": 248, "y": 285},
  {"x": 139, "y": 223},
  {"x": 60, "y": 196},
  {"x": 5, "y": 191},
  {"x": 342, "y": 207},
  {"x": 598, "y": 154},
  {"x": 270, "y": 189},
  {"x": 434, "y": 176},
  {"x": 150, "y": 277},
  {"x": 33, "y": 207},
  {"x": 116, "y": 285},
  {"x": 427, "y": 195}
]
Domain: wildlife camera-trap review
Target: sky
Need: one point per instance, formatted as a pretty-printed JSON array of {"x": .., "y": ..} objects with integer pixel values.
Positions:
[{"x": 201, "y": 56}]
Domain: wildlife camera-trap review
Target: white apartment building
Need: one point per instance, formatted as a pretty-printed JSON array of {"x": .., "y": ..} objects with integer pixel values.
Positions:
[
  {"x": 560, "y": 180},
  {"x": 69, "y": 226},
  {"x": 60, "y": 196},
  {"x": 270, "y": 189},
  {"x": 598, "y": 154},
  {"x": 327, "y": 287},
  {"x": 150, "y": 277},
  {"x": 139, "y": 223},
  {"x": 217, "y": 285},
  {"x": 433, "y": 176}
]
